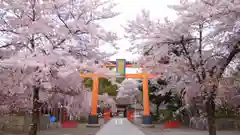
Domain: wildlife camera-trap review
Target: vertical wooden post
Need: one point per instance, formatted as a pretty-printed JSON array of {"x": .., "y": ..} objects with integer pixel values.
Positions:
[
  {"x": 93, "y": 117},
  {"x": 94, "y": 94},
  {"x": 145, "y": 95}
]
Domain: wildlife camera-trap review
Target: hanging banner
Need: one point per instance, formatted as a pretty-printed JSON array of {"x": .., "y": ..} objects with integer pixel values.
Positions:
[{"x": 121, "y": 66}]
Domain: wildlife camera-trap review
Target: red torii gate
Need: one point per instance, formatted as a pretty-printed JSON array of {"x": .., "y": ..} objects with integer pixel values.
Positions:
[{"x": 93, "y": 118}]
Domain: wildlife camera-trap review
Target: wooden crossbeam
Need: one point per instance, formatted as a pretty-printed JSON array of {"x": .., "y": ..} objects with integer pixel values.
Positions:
[
  {"x": 134, "y": 76},
  {"x": 139, "y": 76},
  {"x": 127, "y": 65},
  {"x": 91, "y": 75}
]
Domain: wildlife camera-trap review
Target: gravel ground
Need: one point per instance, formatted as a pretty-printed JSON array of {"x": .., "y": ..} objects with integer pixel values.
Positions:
[
  {"x": 182, "y": 131},
  {"x": 159, "y": 130},
  {"x": 80, "y": 130}
]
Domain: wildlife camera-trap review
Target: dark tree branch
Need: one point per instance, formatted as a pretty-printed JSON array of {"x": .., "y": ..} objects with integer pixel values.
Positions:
[
  {"x": 33, "y": 4},
  {"x": 183, "y": 43},
  {"x": 225, "y": 61},
  {"x": 9, "y": 30},
  {"x": 200, "y": 52}
]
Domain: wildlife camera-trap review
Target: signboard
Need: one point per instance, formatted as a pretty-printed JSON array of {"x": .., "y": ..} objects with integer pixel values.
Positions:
[
  {"x": 52, "y": 119},
  {"x": 121, "y": 66}
]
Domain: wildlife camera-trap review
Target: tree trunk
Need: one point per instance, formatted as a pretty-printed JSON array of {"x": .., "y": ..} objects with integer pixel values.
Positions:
[
  {"x": 35, "y": 112},
  {"x": 210, "y": 107},
  {"x": 157, "y": 111}
]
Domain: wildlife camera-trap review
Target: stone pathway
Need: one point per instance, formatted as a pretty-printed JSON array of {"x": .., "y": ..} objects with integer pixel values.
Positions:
[{"x": 119, "y": 126}]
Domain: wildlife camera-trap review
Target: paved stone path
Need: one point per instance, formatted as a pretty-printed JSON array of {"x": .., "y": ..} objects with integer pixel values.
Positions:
[{"x": 119, "y": 126}]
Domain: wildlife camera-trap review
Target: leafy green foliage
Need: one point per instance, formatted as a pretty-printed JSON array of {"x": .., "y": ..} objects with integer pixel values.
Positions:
[
  {"x": 105, "y": 86},
  {"x": 171, "y": 100},
  {"x": 111, "y": 90},
  {"x": 157, "y": 99},
  {"x": 154, "y": 98},
  {"x": 173, "y": 104}
]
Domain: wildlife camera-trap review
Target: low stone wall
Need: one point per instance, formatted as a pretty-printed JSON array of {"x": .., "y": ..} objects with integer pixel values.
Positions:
[
  {"x": 12, "y": 123},
  {"x": 221, "y": 124},
  {"x": 198, "y": 123},
  {"x": 228, "y": 124},
  {"x": 18, "y": 124}
]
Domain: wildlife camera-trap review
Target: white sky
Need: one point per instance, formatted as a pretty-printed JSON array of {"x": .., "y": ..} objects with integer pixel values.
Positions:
[
  {"x": 131, "y": 70},
  {"x": 129, "y": 10}
]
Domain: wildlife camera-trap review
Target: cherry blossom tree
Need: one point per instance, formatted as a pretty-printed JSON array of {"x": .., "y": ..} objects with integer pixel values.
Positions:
[
  {"x": 128, "y": 91},
  {"x": 108, "y": 101},
  {"x": 48, "y": 41},
  {"x": 194, "y": 51},
  {"x": 234, "y": 91}
]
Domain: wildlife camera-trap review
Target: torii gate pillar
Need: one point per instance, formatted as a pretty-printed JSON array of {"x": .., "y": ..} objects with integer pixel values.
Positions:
[{"x": 93, "y": 117}]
